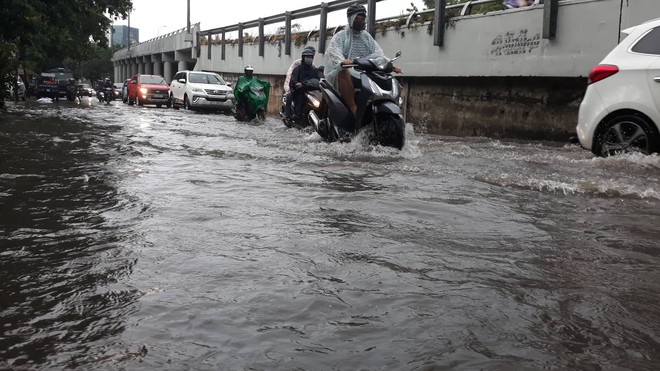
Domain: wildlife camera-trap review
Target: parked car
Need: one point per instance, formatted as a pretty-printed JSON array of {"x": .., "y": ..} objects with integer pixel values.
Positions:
[
  {"x": 124, "y": 91},
  {"x": 620, "y": 111},
  {"x": 203, "y": 90},
  {"x": 20, "y": 90},
  {"x": 149, "y": 89},
  {"x": 85, "y": 90}
]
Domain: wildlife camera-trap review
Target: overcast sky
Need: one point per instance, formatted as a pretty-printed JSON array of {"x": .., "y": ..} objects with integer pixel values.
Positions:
[{"x": 158, "y": 17}]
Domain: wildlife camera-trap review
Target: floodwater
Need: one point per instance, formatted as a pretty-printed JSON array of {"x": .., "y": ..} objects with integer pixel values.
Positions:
[{"x": 137, "y": 238}]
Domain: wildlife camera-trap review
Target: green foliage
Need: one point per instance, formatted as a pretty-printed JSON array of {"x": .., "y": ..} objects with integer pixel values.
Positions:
[
  {"x": 46, "y": 32},
  {"x": 98, "y": 67},
  {"x": 8, "y": 66}
]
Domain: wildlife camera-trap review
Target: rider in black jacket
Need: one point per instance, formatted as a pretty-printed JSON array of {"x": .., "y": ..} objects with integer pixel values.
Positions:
[{"x": 300, "y": 75}]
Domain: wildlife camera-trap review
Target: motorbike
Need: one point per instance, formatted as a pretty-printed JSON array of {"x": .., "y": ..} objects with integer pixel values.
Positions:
[
  {"x": 312, "y": 102},
  {"x": 105, "y": 95},
  {"x": 378, "y": 103},
  {"x": 251, "y": 100}
]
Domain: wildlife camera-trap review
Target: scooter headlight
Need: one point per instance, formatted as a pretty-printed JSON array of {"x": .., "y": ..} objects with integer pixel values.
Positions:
[{"x": 315, "y": 102}]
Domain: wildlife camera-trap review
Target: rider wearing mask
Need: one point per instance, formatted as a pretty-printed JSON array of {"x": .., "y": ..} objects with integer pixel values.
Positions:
[
  {"x": 345, "y": 46},
  {"x": 300, "y": 75},
  {"x": 287, "y": 81}
]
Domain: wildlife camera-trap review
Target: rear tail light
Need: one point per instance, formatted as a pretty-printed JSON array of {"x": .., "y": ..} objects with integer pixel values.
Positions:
[{"x": 602, "y": 71}]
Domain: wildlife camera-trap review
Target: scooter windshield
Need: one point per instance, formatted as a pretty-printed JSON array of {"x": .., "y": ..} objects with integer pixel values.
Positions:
[{"x": 380, "y": 62}]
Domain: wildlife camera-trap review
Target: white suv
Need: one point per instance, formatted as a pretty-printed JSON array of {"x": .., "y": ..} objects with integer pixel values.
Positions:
[
  {"x": 620, "y": 111},
  {"x": 203, "y": 90}
]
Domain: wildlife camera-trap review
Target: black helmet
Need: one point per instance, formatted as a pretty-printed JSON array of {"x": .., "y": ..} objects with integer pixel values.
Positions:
[
  {"x": 308, "y": 52},
  {"x": 356, "y": 9}
]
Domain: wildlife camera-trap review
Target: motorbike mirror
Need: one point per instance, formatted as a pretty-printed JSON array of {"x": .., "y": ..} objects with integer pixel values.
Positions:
[{"x": 398, "y": 54}]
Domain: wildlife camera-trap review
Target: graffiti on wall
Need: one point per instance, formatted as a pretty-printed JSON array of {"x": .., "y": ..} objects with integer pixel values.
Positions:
[{"x": 510, "y": 43}]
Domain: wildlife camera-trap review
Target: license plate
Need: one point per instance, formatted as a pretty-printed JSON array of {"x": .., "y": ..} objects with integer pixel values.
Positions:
[{"x": 159, "y": 97}]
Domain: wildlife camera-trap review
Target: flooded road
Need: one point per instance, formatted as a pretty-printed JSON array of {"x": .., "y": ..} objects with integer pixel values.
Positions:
[{"x": 136, "y": 238}]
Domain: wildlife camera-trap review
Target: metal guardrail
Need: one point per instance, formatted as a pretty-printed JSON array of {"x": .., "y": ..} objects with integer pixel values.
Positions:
[{"x": 549, "y": 23}]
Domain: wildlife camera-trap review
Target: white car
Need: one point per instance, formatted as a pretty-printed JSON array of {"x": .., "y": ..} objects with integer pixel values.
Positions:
[
  {"x": 201, "y": 90},
  {"x": 620, "y": 111}
]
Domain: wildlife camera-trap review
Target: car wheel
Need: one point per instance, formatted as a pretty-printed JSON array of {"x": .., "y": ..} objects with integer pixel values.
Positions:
[
  {"x": 138, "y": 101},
  {"x": 629, "y": 133},
  {"x": 169, "y": 103},
  {"x": 186, "y": 102}
]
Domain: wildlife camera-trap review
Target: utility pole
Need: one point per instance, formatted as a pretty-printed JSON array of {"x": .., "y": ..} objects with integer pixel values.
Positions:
[
  {"x": 128, "y": 33},
  {"x": 188, "y": 36}
]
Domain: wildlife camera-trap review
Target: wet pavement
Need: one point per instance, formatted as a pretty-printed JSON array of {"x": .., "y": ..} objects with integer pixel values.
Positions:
[{"x": 137, "y": 238}]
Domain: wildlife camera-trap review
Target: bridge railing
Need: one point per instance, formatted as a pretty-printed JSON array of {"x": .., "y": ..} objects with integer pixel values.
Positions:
[{"x": 439, "y": 13}]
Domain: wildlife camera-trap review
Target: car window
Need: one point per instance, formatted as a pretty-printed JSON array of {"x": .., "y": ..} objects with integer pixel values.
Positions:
[
  {"x": 156, "y": 80},
  {"x": 649, "y": 44},
  {"x": 216, "y": 79},
  {"x": 199, "y": 78}
]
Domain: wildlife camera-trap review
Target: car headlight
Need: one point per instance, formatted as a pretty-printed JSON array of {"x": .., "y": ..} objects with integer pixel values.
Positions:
[
  {"x": 144, "y": 90},
  {"x": 196, "y": 90}
]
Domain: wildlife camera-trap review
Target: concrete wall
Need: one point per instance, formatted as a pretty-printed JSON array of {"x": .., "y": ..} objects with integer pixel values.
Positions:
[{"x": 501, "y": 43}]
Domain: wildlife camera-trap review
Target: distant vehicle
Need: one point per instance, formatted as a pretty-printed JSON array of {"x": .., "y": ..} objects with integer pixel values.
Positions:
[
  {"x": 85, "y": 90},
  {"x": 201, "y": 90},
  {"x": 57, "y": 83},
  {"x": 149, "y": 89},
  {"x": 117, "y": 88},
  {"x": 20, "y": 90},
  {"x": 620, "y": 111}
]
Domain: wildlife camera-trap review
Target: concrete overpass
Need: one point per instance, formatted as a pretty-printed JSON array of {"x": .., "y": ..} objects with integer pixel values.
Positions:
[
  {"x": 524, "y": 67},
  {"x": 163, "y": 55}
]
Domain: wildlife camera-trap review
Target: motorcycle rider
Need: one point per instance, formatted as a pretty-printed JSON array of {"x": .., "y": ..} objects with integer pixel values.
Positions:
[
  {"x": 346, "y": 45},
  {"x": 287, "y": 81},
  {"x": 108, "y": 89},
  {"x": 301, "y": 75},
  {"x": 242, "y": 104}
]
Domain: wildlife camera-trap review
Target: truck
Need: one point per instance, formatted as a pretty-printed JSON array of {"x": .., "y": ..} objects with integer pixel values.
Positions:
[{"x": 57, "y": 83}]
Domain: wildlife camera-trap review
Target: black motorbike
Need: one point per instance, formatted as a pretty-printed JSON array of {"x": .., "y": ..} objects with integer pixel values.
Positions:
[
  {"x": 106, "y": 95},
  {"x": 378, "y": 103},
  {"x": 312, "y": 102}
]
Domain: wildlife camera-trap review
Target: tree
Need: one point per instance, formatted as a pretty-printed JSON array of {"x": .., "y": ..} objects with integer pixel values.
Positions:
[{"x": 47, "y": 32}]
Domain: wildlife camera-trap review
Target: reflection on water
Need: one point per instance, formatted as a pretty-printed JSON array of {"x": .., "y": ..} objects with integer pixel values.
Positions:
[{"x": 147, "y": 239}]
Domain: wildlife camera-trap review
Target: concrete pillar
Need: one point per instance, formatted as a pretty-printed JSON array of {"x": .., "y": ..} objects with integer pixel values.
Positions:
[
  {"x": 148, "y": 66},
  {"x": 140, "y": 66},
  {"x": 117, "y": 72},
  {"x": 158, "y": 68},
  {"x": 169, "y": 71},
  {"x": 157, "y": 64},
  {"x": 183, "y": 65}
]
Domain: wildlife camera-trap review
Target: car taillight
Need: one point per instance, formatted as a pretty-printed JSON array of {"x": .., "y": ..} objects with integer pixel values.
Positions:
[{"x": 602, "y": 71}]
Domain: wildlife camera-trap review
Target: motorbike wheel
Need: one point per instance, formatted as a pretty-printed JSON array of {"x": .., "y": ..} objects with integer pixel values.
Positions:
[{"x": 390, "y": 131}]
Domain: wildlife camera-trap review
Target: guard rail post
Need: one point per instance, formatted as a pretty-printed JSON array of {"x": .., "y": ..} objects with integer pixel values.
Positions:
[
  {"x": 439, "y": 23},
  {"x": 550, "y": 11}
]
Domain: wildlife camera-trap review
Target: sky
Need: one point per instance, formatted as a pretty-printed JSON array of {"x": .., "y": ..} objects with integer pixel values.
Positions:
[{"x": 157, "y": 17}]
